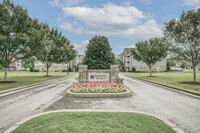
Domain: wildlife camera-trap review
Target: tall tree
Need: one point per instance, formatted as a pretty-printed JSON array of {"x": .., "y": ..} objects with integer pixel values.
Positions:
[
  {"x": 120, "y": 63},
  {"x": 170, "y": 63},
  {"x": 98, "y": 54},
  {"x": 14, "y": 24},
  {"x": 71, "y": 55},
  {"x": 28, "y": 63},
  {"x": 55, "y": 48},
  {"x": 185, "y": 34},
  {"x": 151, "y": 51}
]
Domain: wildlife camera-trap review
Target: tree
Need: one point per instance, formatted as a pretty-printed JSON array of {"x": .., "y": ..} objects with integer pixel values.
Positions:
[
  {"x": 185, "y": 34},
  {"x": 170, "y": 63},
  {"x": 55, "y": 48},
  {"x": 71, "y": 55},
  {"x": 120, "y": 63},
  {"x": 28, "y": 63},
  {"x": 98, "y": 54},
  {"x": 150, "y": 52},
  {"x": 14, "y": 25}
]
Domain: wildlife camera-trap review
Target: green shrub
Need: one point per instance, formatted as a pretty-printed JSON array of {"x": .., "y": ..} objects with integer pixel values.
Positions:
[
  {"x": 133, "y": 69},
  {"x": 64, "y": 70},
  {"x": 31, "y": 69},
  {"x": 120, "y": 80},
  {"x": 35, "y": 70},
  {"x": 69, "y": 69}
]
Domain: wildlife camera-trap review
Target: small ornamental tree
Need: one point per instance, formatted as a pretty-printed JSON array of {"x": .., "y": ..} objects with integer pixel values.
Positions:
[
  {"x": 55, "y": 48},
  {"x": 170, "y": 63},
  {"x": 151, "y": 51},
  {"x": 14, "y": 41},
  {"x": 70, "y": 56},
  {"x": 98, "y": 54},
  {"x": 185, "y": 35},
  {"x": 120, "y": 63}
]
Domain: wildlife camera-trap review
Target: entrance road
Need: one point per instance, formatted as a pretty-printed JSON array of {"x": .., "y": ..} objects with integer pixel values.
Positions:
[
  {"x": 180, "y": 109},
  {"x": 18, "y": 106}
]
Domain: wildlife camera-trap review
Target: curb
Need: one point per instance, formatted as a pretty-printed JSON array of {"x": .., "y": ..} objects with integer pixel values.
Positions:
[
  {"x": 174, "y": 127},
  {"x": 188, "y": 92},
  {"x": 27, "y": 87},
  {"x": 99, "y": 95}
]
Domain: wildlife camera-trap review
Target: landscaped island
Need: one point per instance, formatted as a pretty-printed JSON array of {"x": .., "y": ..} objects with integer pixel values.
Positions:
[
  {"x": 94, "y": 122},
  {"x": 98, "y": 87}
]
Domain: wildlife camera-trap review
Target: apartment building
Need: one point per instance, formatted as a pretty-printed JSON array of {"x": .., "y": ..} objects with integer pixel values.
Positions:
[
  {"x": 129, "y": 63},
  {"x": 17, "y": 65},
  {"x": 74, "y": 63},
  {"x": 59, "y": 67}
]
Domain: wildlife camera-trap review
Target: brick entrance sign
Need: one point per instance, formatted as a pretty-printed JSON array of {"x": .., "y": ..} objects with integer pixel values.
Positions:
[{"x": 90, "y": 75}]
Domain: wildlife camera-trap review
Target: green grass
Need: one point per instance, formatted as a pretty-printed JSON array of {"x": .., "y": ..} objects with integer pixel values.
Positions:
[
  {"x": 94, "y": 122},
  {"x": 27, "y": 78},
  {"x": 170, "y": 78}
]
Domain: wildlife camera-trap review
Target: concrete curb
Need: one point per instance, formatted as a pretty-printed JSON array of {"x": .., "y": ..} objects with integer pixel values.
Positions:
[
  {"x": 99, "y": 95},
  {"x": 27, "y": 87},
  {"x": 174, "y": 127},
  {"x": 188, "y": 92}
]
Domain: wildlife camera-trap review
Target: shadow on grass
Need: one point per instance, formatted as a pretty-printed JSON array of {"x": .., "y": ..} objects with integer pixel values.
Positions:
[
  {"x": 7, "y": 82},
  {"x": 190, "y": 83}
]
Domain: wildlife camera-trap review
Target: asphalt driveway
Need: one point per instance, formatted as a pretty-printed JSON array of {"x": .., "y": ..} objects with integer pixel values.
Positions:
[{"x": 180, "y": 109}]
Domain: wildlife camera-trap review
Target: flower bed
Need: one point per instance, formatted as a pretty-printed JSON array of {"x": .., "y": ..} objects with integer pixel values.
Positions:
[{"x": 98, "y": 87}]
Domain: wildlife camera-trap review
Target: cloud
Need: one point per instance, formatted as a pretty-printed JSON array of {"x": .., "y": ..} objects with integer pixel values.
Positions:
[
  {"x": 131, "y": 46},
  {"x": 55, "y": 3},
  {"x": 81, "y": 47},
  {"x": 111, "y": 20},
  {"x": 62, "y": 3},
  {"x": 193, "y": 3}
]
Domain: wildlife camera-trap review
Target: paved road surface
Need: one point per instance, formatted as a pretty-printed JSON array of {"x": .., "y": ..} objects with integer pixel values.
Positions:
[
  {"x": 18, "y": 106},
  {"x": 180, "y": 109}
]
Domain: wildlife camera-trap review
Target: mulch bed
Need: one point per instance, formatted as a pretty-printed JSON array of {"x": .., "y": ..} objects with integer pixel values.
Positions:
[
  {"x": 47, "y": 76},
  {"x": 151, "y": 76},
  {"x": 4, "y": 82},
  {"x": 190, "y": 83}
]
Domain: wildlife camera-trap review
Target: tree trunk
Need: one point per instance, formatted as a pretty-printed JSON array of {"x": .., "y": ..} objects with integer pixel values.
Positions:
[
  {"x": 47, "y": 73},
  {"x": 150, "y": 71},
  {"x": 5, "y": 75},
  {"x": 194, "y": 73}
]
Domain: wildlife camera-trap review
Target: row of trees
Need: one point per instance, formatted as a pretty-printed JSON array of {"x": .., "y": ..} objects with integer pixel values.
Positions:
[
  {"x": 181, "y": 39},
  {"x": 24, "y": 38}
]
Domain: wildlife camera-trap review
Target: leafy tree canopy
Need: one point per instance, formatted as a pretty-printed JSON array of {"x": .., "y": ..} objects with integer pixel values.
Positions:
[
  {"x": 14, "y": 27},
  {"x": 98, "y": 54},
  {"x": 151, "y": 51},
  {"x": 185, "y": 35},
  {"x": 55, "y": 48}
]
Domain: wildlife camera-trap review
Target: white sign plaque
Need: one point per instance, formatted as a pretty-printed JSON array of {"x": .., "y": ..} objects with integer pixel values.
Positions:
[{"x": 98, "y": 77}]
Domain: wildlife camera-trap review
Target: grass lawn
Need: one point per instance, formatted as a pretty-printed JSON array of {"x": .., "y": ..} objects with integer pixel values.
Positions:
[
  {"x": 94, "y": 122},
  {"x": 171, "y": 79},
  {"x": 27, "y": 78}
]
